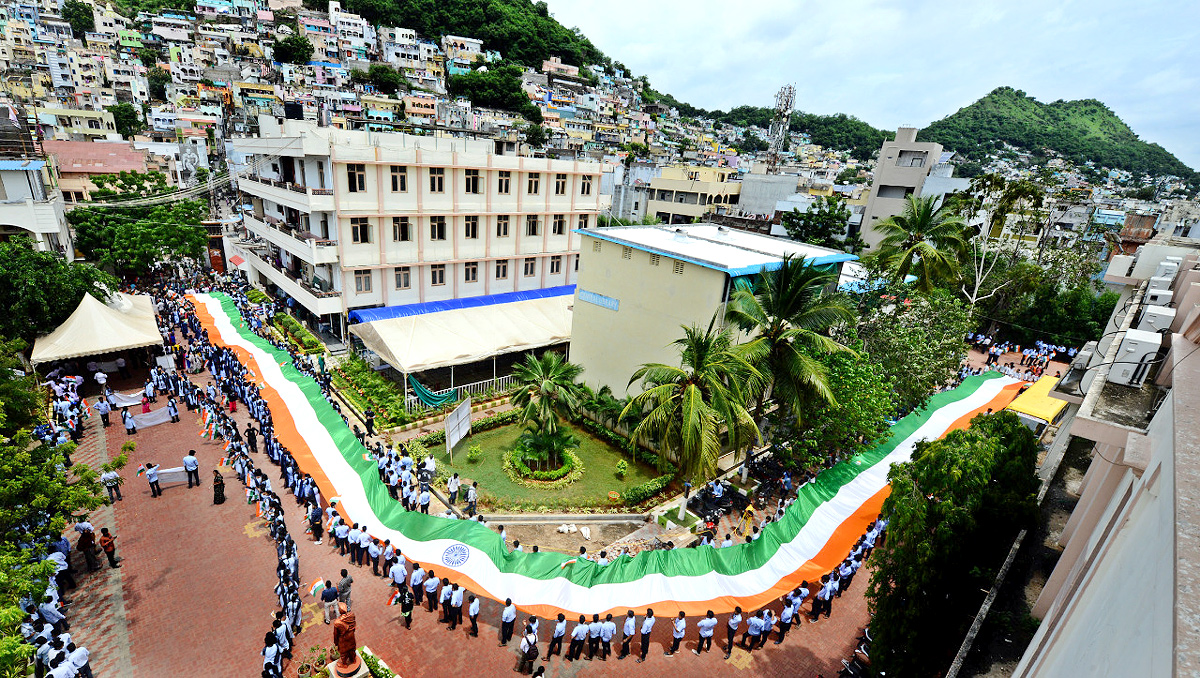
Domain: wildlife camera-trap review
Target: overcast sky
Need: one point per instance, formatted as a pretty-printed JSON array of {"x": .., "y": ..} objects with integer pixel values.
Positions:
[{"x": 913, "y": 61}]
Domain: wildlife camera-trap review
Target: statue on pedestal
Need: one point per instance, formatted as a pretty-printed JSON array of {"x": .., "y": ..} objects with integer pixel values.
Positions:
[{"x": 348, "y": 662}]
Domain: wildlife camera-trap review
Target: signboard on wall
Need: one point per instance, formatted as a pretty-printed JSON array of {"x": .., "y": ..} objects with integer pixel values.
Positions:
[{"x": 458, "y": 425}]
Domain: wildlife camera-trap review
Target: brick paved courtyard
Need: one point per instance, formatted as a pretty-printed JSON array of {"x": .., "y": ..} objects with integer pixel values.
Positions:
[{"x": 194, "y": 594}]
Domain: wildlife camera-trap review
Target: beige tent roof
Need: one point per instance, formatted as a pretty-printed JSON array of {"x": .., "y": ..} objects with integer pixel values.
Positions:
[
  {"x": 464, "y": 335},
  {"x": 95, "y": 328}
]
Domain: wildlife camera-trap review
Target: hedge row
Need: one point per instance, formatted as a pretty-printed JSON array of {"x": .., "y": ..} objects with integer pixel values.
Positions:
[
  {"x": 640, "y": 493},
  {"x": 256, "y": 296},
  {"x": 298, "y": 334},
  {"x": 481, "y": 424}
]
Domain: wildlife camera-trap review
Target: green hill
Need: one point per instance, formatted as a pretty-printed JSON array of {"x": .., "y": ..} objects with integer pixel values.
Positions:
[{"x": 1079, "y": 130}]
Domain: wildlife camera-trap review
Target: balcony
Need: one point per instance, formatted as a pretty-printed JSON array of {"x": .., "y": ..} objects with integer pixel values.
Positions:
[
  {"x": 36, "y": 216},
  {"x": 295, "y": 196},
  {"x": 312, "y": 250},
  {"x": 315, "y": 300}
]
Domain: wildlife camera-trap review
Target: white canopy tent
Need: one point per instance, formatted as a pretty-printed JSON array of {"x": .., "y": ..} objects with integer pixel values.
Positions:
[
  {"x": 417, "y": 343},
  {"x": 94, "y": 328}
]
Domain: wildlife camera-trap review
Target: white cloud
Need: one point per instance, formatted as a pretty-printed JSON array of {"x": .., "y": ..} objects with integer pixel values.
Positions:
[{"x": 913, "y": 61}]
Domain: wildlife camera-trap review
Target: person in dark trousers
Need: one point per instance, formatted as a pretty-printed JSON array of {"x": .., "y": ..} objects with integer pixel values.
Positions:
[
  {"x": 152, "y": 478},
  {"x": 406, "y": 605},
  {"x": 369, "y": 420},
  {"x": 473, "y": 613},
  {"x": 731, "y": 629},
  {"x": 594, "y": 629},
  {"x": 627, "y": 632},
  {"x": 556, "y": 637},
  {"x": 678, "y": 627},
  {"x": 108, "y": 544},
  {"x": 578, "y": 635},
  {"x": 507, "y": 618},
  {"x": 252, "y": 438},
  {"x": 647, "y": 626}
]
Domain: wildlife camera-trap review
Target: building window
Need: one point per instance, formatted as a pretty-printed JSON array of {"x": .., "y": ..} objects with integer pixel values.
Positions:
[
  {"x": 678, "y": 269},
  {"x": 655, "y": 259},
  {"x": 502, "y": 226},
  {"x": 531, "y": 225},
  {"x": 555, "y": 265},
  {"x": 356, "y": 174},
  {"x": 399, "y": 179},
  {"x": 400, "y": 232},
  {"x": 626, "y": 252},
  {"x": 530, "y": 267},
  {"x": 403, "y": 277},
  {"x": 560, "y": 224},
  {"x": 560, "y": 184},
  {"x": 576, "y": 266},
  {"x": 471, "y": 271},
  {"x": 437, "y": 228},
  {"x": 583, "y": 221},
  {"x": 437, "y": 274},
  {"x": 502, "y": 270},
  {"x": 362, "y": 282},
  {"x": 437, "y": 180},
  {"x": 360, "y": 230},
  {"x": 472, "y": 181},
  {"x": 596, "y": 246},
  {"x": 504, "y": 183},
  {"x": 472, "y": 230},
  {"x": 585, "y": 187},
  {"x": 535, "y": 183}
]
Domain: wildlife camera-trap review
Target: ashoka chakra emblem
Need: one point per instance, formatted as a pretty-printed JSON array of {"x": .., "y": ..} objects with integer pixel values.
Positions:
[{"x": 455, "y": 555}]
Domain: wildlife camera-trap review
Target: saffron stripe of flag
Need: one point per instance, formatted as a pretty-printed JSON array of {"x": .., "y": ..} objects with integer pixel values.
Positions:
[
  {"x": 316, "y": 588},
  {"x": 141, "y": 470},
  {"x": 367, "y": 457},
  {"x": 394, "y": 598},
  {"x": 224, "y": 461},
  {"x": 568, "y": 562},
  {"x": 334, "y": 501}
]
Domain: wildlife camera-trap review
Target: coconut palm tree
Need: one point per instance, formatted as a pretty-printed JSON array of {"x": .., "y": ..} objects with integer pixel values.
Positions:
[
  {"x": 925, "y": 240},
  {"x": 789, "y": 310},
  {"x": 546, "y": 389},
  {"x": 686, "y": 407},
  {"x": 545, "y": 447}
]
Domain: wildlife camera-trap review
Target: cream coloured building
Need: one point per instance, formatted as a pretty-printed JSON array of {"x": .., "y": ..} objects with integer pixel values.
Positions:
[
  {"x": 343, "y": 219},
  {"x": 683, "y": 195},
  {"x": 901, "y": 170},
  {"x": 639, "y": 284}
]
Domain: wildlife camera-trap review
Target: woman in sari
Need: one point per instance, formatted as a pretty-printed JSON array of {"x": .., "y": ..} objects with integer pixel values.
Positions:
[{"x": 218, "y": 487}]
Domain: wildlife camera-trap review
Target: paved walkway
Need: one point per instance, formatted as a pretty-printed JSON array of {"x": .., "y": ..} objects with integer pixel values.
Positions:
[{"x": 194, "y": 593}]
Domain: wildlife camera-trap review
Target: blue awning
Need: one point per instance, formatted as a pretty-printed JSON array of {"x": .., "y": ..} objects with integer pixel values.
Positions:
[
  {"x": 31, "y": 165},
  {"x": 366, "y": 315}
]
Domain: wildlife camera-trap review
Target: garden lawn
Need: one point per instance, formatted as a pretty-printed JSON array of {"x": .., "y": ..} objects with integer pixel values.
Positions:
[{"x": 599, "y": 461}]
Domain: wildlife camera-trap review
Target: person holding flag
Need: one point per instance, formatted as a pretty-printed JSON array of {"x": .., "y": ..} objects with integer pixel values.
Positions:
[{"x": 150, "y": 470}]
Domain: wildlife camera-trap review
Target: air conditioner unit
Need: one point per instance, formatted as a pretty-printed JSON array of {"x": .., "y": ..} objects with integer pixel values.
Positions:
[
  {"x": 1084, "y": 358},
  {"x": 1156, "y": 318},
  {"x": 1161, "y": 282},
  {"x": 1159, "y": 297},
  {"x": 1166, "y": 269},
  {"x": 1135, "y": 358}
]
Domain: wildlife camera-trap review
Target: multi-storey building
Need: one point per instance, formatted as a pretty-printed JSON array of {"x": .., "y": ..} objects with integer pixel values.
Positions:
[
  {"x": 353, "y": 219},
  {"x": 903, "y": 166},
  {"x": 682, "y": 195},
  {"x": 30, "y": 203}
]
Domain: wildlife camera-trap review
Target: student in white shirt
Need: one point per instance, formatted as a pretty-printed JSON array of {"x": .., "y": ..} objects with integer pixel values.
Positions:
[
  {"x": 735, "y": 620},
  {"x": 705, "y": 627},
  {"x": 647, "y": 626},
  {"x": 679, "y": 626},
  {"x": 578, "y": 635},
  {"x": 507, "y": 617},
  {"x": 473, "y": 613},
  {"x": 627, "y": 632},
  {"x": 556, "y": 637},
  {"x": 607, "y": 630}
]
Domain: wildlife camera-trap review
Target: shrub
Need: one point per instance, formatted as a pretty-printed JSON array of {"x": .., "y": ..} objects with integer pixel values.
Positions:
[
  {"x": 640, "y": 493},
  {"x": 257, "y": 296},
  {"x": 519, "y": 473},
  {"x": 622, "y": 468},
  {"x": 474, "y": 454}
]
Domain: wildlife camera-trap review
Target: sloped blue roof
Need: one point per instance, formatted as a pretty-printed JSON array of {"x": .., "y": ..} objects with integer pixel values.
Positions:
[{"x": 366, "y": 315}]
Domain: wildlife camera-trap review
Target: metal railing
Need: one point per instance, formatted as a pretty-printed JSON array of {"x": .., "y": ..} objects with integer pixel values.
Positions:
[
  {"x": 499, "y": 384},
  {"x": 296, "y": 188}
]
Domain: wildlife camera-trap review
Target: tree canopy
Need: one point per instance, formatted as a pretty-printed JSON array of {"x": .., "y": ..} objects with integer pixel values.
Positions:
[
  {"x": 825, "y": 218},
  {"x": 134, "y": 239},
  {"x": 294, "y": 49},
  {"x": 79, "y": 15},
  {"x": 953, "y": 510},
  {"x": 158, "y": 77},
  {"x": 128, "y": 118},
  {"x": 41, "y": 290},
  {"x": 497, "y": 86}
]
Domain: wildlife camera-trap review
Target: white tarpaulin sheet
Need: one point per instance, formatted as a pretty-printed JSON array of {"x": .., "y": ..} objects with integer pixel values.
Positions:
[
  {"x": 464, "y": 335},
  {"x": 152, "y": 418},
  {"x": 172, "y": 475},
  {"x": 94, "y": 328},
  {"x": 127, "y": 399}
]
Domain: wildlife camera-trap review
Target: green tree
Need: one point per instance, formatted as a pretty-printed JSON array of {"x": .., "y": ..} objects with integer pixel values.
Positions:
[
  {"x": 535, "y": 136},
  {"x": 787, "y": 311},
  {"x": 917, "y": 340},
  {"x": 826, "y": 217},
  {"x": 294, "y": 49},
  {"x": 21, "y": 400},
  {"x": 687, "y": 407},
  {"x": 925, "y": 240},
  {"x": 547, "y": 390},
  {"x": 148, "y": 56},
  {"x": 497, "y": 86},
  {"x": 133, "y": 239},
  {"x": 38, "y": 499},
  {"x": 750, "y": 143},
  {"x": 158, "y": 79},
  {"x": 79, "y": 15},
  {"x": 856, "y": 419},
  {"x": 385, "y": 78},
  {"x": 953, "y": 510},
  {"x": 41, "y": 290},
  {"x": 128, "y": 118},
  {"x": 545, "y": 447}
]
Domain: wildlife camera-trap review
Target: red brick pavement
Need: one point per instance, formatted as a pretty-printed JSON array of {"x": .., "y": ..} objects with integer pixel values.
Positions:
[{"x": 196, "y": 594}]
